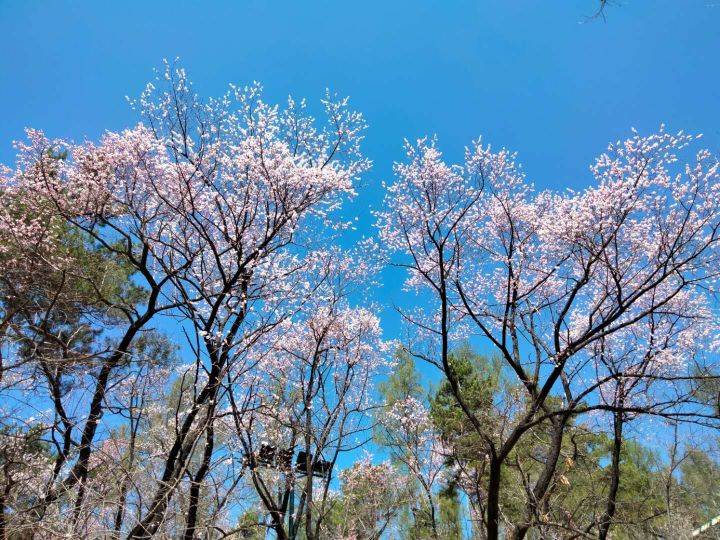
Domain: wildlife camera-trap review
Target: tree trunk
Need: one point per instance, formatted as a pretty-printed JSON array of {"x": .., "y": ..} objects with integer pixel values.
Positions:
[
  {"x": 176, "y": 461},
  {"x": 177, "y": 457},
  {"x": 78, "y": 474},
  {"x": 544, "y": 482},
  {"x": 611, "y": 504},
  {"x": 196, "y": 483},
  {"x": 493, "y": 499},
  {"x": 122, "y": 499}
]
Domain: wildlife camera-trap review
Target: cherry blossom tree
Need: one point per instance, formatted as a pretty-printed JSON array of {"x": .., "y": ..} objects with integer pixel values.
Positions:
[
  {"x": 543, "y": 277},
  {"x": 315, "y": 383},
  {"x": 213, "y": 209},
  {"x": 256, "y": 178}
]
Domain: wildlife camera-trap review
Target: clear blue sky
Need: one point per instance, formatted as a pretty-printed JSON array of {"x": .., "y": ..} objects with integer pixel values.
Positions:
[{"x": 527, "y": 74}]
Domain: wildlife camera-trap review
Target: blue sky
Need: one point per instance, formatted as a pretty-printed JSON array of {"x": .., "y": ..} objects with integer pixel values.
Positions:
[{"x": 533, "y": 76}]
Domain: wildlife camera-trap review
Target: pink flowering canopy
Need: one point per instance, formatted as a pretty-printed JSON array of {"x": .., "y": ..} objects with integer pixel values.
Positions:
[{"x": 554, "y": 273}]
